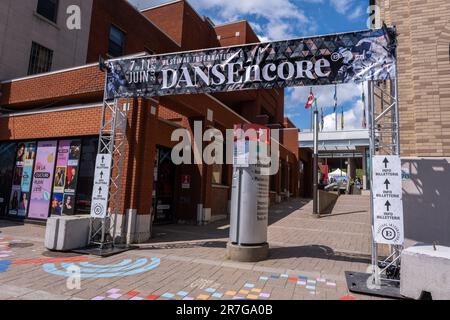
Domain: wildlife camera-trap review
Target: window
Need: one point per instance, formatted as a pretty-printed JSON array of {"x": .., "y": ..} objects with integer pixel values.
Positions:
[
  {"x": 40, "y": 59},
  {"x": 116, "y": 42},
  {"x": 48, "y": 9}
]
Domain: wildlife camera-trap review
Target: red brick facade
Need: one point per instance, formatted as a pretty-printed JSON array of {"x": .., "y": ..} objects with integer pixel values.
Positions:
[{"x": 45, "y": 96}]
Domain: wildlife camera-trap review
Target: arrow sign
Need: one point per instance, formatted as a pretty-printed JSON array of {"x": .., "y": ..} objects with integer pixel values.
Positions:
[
  {"x": 100, "y": 195},
  {"x": 388, "y": 205},
  {"x": 385, "y": 161},
  {"x": 387, "y": 183}
]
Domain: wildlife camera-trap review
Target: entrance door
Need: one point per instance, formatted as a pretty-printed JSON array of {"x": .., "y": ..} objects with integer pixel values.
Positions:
[{"x": 164, "y": 185}]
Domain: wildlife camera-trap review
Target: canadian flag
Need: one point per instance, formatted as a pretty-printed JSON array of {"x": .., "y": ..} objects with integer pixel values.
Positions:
[{"x": 310, "y": 101}]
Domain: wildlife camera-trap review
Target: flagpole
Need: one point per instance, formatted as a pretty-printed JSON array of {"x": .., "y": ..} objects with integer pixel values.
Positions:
[
  {"x": 316, "y": 162},
  {"x": 335, "y": 106}
]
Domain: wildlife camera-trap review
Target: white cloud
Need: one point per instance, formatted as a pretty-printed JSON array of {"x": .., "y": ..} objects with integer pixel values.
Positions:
[
  {"x": 353, "y": 118},
  {"x": 277, "y": 20},
  {"x": 342, "y": 6},
  {"x": 358, "y": 12},
  {"x": 348, "y": 8},
  {"x": 325, "y": 95}
]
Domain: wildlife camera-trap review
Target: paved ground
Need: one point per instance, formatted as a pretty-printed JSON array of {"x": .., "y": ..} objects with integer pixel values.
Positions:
[{"x": 308, "y": 258}]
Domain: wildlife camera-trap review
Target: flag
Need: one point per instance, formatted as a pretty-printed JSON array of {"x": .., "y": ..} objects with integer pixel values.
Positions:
[
  {"x": 310, "y": 100},
  {"x": 335, "y": 98},
  {"x": 342, "y": 120},
  {"x": 322, "y": 119},
  {"x": 335, "y": 107},
  {"x": 364, "y": 120}
]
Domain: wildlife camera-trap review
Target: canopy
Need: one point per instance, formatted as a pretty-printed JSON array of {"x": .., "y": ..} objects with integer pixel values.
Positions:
[{"x": 338, "y": 173}]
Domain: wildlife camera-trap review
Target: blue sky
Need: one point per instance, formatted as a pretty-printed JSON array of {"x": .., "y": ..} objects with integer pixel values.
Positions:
[{"x": 286, "y": 19}]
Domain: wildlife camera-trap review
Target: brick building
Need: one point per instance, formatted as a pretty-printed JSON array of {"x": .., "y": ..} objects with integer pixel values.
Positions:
[
  {"x": 424, "y": 92},
  {"x": 55, "y": 117}
]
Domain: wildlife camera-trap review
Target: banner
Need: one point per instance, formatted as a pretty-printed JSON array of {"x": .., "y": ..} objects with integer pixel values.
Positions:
[
  {"x": 42, "y": 180},
  {"x": 339, "y": 58},
  {"x": 66, "y": 175},
  {"x": 21, "y": 185}
]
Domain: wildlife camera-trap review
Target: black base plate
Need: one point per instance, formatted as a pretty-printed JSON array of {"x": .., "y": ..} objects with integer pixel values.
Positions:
[
  {"x": 357, "y": 283},
  {"x": 105, "y": 252}
]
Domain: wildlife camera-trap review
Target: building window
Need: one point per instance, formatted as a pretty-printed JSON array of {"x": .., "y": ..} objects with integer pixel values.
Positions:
[
  {"x": 40, "y": 59},
  {"x": 116, "y": 42},
  {"x": 48, "y": 9}
]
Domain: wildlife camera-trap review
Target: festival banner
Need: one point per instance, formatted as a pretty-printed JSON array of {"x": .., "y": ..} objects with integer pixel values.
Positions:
[
  {"x": 42, "y": 180},
  {"x": 65, "y": 181},
  {"x": 332, "y": 59},
  {"x": 72, "y": 177},
  {"x": 21, "y": 185}
]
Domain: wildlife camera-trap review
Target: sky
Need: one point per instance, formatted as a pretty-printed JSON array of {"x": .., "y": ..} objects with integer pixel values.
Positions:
[{"x": 287, "y": 19}]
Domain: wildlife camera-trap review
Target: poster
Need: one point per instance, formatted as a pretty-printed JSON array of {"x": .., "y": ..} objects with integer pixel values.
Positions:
[
  {"x": 7, "y": 157},
  {"x": 338, "y": 58},
  {"x": 66, "y": 177},
  {"x": 22, "y": 177},
  {"x": 42, "y": 180}
]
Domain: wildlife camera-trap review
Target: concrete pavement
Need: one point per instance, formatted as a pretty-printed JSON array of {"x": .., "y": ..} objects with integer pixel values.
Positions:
[{"x": 308, "y": 258}]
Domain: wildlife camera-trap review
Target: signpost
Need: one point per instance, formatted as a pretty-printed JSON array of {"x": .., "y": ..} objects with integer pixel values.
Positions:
[
  {"x": 387, "y": 200},
  {"x": 100, "y": 194}
]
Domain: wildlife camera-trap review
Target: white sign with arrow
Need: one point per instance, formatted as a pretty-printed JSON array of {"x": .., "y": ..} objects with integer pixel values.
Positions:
[
  {"x": 100, "y": 193},
  {"x": 387, "y": 198}
]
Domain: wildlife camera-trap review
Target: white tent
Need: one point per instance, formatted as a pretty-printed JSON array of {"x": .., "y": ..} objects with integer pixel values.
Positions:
[{"x": 337, "y": 173}]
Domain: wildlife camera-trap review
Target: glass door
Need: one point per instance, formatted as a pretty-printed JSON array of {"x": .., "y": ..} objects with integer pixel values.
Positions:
[{"x": 164, "y": 186}]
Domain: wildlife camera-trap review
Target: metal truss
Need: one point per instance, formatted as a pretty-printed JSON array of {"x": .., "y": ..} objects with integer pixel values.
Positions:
[
  {"x": 112, "y": 139},
  {"x": 384, "y": 129}
]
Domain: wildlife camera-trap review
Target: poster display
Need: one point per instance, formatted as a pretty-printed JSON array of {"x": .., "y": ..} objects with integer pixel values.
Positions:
[
  {"x": 338, "y": 58},
  {"x": 21, "y": 182},
  {"x": 42, "y": 180},
  {"x": 66, "y": 177},
  {"x": 7, "y": 157}
]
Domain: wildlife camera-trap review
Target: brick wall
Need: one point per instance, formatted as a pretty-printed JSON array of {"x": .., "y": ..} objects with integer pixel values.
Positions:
[
  {"x": 236, "y": 33},
  {"x": 424, "y": 74},
  {"x": 50, "y": 125},
  {"x": 140, "y": 32},
  {"x": 60, "y": 88}
]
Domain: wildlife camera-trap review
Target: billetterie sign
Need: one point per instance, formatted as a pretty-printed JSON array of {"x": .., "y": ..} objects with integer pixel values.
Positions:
[{"x": 339, "y": 58}]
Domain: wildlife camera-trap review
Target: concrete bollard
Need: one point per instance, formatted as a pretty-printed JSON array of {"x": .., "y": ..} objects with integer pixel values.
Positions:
[
  {"x": 67, "y": 233},
  {"x": 424, "y": 269}
]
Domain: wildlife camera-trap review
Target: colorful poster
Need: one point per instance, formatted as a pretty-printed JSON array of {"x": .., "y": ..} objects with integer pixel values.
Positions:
[
  {"x": 66, "y": 177},
  {"x": 57, "y": 204},
  {"x": 23, "y": 172},
  {"x": 42, "y": 180}
]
